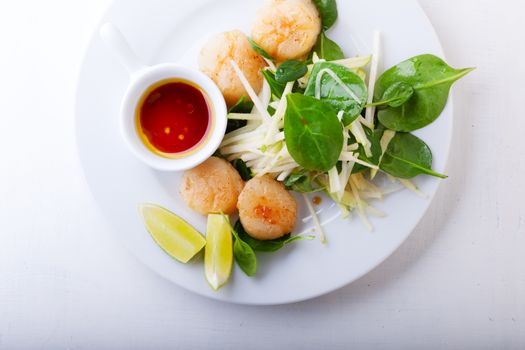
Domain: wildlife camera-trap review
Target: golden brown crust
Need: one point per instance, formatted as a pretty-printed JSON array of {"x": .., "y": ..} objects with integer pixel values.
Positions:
[
  {"x": 287, "y": 29},
  {"x": 266, "y": 209},
  {"x": 214, "y": 61},
  {"x": 212, "y": 187}
]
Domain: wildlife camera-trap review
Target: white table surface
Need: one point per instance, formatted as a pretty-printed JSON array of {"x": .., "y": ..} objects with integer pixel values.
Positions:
[{"x": 65, "y": 283}]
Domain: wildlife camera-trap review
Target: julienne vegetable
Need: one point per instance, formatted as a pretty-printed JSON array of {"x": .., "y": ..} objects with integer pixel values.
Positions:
[
  {"x": 339, "y": 87},
  {"x": 375, "y": 147},
  {"x": 318, "y": 138},
  {"x": 325, "y": 124}
]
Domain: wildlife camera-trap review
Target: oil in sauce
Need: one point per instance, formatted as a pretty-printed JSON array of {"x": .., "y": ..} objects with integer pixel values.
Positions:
[{"x": 173, "y": 117}]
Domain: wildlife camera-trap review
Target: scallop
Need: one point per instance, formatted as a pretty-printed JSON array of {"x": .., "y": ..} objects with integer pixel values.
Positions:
[
  {"x": 214, "y": 61},
  {"x": 266, "y": 209},
  {"x": 212, "y": 187},
  {"x": 287, "y": 29}
]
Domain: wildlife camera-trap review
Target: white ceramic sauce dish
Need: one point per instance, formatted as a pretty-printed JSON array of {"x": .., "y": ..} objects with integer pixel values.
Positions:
[{"x": 142, "y": 77}]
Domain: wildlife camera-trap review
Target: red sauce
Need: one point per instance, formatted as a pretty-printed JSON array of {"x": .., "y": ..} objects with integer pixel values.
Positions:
[
  {"x": 173, "y": 117},
  {"x": 317, "y": 200},
  {"x": 266, "y": 213}
]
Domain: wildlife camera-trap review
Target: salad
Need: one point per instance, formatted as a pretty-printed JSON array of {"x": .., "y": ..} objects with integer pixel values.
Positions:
[{"x": 303, "y": 118}]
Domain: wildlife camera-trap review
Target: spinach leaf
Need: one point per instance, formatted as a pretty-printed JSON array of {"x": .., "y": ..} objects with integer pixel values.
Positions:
[
  {"x": 408, "y": 156},
  {"x": 245, "y": 257},
  {"x": 431, "y": 78},
  {"x": 242, "y": 169},
  {"x": 243, "y": 252},
  {"x": 290, "y": 71},
  {"x": 302, "y": 182},
  {"x": 374, "y": 136},
  {"x": 244, "y": 105},
  {"x": 276, "y": 88},
  {"x": 346, "y": 92},
  {"x": 267, "y": 246},
  {"x": 313, "y": 133},
  {"x": 234, "y": 124},
  {"x": 259, "y": 49},
  {"x": 396, "y": 95},
  {"x": 328, "y": 11},
  {"x": 298, "y": 89},
  {"x": 327, "y": 49}
]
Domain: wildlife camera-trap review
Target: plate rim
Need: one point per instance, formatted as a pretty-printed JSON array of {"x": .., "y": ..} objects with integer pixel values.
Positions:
[{"x": 286, "y": 300}]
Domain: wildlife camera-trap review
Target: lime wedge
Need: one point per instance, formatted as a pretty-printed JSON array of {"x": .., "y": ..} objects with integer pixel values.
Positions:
[
  {"x": 174, "y": 235},
  {"x": 218, "y": 255}
]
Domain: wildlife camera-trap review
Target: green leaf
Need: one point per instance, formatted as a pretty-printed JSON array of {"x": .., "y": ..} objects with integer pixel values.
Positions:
[
  {"x": 408, "y": 156},
  {"x": 298, "y": 89},
  {"x": 234, "y": 124},
  {"x": 276, "y": 88},
  {"x": 337, "y": 94},
  {"x": 302, "y": 182},
  {"x": 290, "y": 71},
  {"x": 299, "y": 238},
  {"x": 245, "y": 257},
  {"x": 313, "y": 133},
  {"x": 375, "y": 139},
  {"x": 242, "y": 169},
  {"x": 327, "y": 49},
  {"x": 242, "y": 252},
  {"x": 328, "y": 11},
  {"x": 431, "y": 78},
  {"x": 267, "y": 246},
  {"x": 396, "y": 95},
  {"x": 259, "y": 49},
  {"x": 244, "y": 105}
]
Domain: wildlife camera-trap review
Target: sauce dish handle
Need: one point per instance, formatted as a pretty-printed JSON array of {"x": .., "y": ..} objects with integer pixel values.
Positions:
[{"x": 115, "y": 40}]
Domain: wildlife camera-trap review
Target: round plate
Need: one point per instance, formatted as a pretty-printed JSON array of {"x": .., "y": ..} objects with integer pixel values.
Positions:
[{"x": 167, "y": 31}]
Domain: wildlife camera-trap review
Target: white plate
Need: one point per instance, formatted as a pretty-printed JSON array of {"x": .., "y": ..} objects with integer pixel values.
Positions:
[{"x": 163, "y": 30}]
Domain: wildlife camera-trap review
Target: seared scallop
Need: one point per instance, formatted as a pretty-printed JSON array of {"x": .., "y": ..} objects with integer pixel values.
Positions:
[
  {"x": 212, "y": 187},
  {"x": 287, "y": 29},
  {"x": 214, "y": 61},
  {"x": 266, "y": 209}
]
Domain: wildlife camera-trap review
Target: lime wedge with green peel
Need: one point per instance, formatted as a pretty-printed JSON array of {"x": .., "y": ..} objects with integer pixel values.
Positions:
[
  {"x": 218, "y": 255},
  {"x": 174, "y": 235}
]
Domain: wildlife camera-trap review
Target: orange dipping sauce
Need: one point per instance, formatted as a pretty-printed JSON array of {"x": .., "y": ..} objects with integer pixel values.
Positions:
[{"x": 173, "y": 118}]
